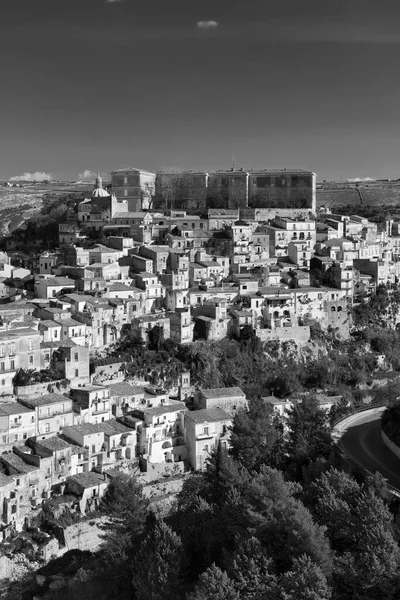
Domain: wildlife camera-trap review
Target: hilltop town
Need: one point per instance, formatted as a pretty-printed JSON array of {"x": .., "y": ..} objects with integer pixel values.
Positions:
[{"x": 188, "y": 258}]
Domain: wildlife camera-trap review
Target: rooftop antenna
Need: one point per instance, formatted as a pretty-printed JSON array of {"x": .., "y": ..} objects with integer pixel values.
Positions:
[{"x": 233, "y": 163}]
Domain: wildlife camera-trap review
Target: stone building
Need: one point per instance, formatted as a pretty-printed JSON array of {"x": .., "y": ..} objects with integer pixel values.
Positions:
[{"x": 135, "y": 186}]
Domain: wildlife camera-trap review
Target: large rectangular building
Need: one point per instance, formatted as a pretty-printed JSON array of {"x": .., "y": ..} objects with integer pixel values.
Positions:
[
  {"x": 135, "y": 186},
  {"x": 284, "y": 189}
]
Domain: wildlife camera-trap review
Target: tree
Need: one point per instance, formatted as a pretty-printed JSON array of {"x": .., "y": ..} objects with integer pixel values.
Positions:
[
  {"x": 308, "y": 435},
  {"x": 370, "y": 569},
  {"x": 250, "y": 570},
  {"x": 214, "y": 584},
  {"x": 255, "y": 434},
  {"x": 360, "y": 528},
  {"x": 284, "y": 526},
  {"x": 126, "y": 509},
  {"x": 155, "y": 337},
  {"x": 223, "y": 475},
  {"x": 158, "y": 565},
  {"x": 305, "y": 581}
]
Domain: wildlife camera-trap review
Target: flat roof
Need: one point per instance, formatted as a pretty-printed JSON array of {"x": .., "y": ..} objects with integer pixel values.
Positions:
[{"x": 161, "y": 410}]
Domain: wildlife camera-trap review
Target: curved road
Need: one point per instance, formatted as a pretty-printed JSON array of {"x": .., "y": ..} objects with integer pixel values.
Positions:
[{"x": 363, "y": 443}]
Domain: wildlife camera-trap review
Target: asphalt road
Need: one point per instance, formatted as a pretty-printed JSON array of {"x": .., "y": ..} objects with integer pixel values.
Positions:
[{"x": 362, "y": 441}]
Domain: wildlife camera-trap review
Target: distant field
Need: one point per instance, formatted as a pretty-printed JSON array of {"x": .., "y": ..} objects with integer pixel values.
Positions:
[
  {"x": 370, "y": 195},
  {"x": 19, "y": 204}
]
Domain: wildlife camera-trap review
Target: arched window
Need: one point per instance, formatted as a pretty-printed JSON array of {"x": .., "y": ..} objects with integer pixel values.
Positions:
[
  {"x": 205, "y": 448},
  {"x": 339, "y": 309},
  {"x": 333, "y": 309}
]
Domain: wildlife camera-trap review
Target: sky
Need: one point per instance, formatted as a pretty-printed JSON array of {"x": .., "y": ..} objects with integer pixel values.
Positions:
[{"x": 95, "y": 85}]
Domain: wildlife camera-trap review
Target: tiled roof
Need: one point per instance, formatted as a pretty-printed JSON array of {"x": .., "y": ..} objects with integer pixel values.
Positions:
[
  {"x": 49, "y": 323},
  {"x": 222, "y": 392},
  {"x": 54, "y": 443},
  {"x": 6, "y": 480},
  {"x": 58, "y": 281},
  {"x": 47, "y": 399},
  {"x": 14, "y": 408},
  {"x": 17, "y": 463},
  {"x": 83, "y": 428},
  {"x": 124, "y": 389},
  {"x": 113, "y": 427},
  {"x": 87, "y": 480},
  {"x": 208, "y": 415}
]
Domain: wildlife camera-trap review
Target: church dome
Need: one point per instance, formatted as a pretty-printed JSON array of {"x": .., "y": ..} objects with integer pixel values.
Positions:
[{"x": 99, "y": 191}]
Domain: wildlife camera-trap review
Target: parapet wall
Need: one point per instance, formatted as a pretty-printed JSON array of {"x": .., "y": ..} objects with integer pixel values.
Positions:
[{"x": 389, "y": 444}]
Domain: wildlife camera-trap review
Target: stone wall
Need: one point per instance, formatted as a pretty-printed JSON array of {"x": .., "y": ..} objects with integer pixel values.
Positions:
[
  {"x": 85, "y": 535},
  {"x": 298, "y": 333},
  {"x": 41, "y": 389}
]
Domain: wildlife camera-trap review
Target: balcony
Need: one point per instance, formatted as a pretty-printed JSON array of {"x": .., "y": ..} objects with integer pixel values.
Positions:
[
  {"x": 204, "y": 436},
  {"x": 55, "y": 414},
  {"x": 100, "y": 411}
]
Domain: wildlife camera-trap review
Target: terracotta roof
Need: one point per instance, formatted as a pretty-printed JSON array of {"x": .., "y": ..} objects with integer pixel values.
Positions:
[
  {"x": 54, "y": 443},
  {"x": 47, "y": 399},
  {"x": 14, "y": 408},
  {"x": 124, "y": 389},
  {"x": 208, "y": 415},
  {"x": 222, "y": 392},
  {"x": 87, "y": 480}
]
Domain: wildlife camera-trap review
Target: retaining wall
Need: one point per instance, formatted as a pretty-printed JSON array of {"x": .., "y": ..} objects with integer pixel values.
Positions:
[
  {"x": 389, "y": 444},
  {"x": 299, "y": 334}
]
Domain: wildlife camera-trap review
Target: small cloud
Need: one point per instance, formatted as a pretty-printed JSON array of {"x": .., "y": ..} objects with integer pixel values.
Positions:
[
  {"x": 89, "y": 175},
  {"x": 36, "y": 176},
  {"x": 206, "y": 24}
]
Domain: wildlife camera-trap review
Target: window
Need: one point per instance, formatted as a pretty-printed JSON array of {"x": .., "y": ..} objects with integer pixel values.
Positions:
[
  {"x": 76, "y": 356},
  {"x": 30, "y": 345},
  {"x": 31, "y": 359},
  {"x": 76, "y": 372},
  {"x": 205, "y": 448},
  {"x": 47, "y": 428},
  {"x": 25, "y": 436},
  {"x": 2, "y": 367},
  {"x": 4, "y": 439},
  {"x": 12, "y": 365},
  {"x": 205, "y": 430},
  {"x": 3, "y": 382},
  {"x": 55, "y": 333},
  {"x": 93, "y": 448}
]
